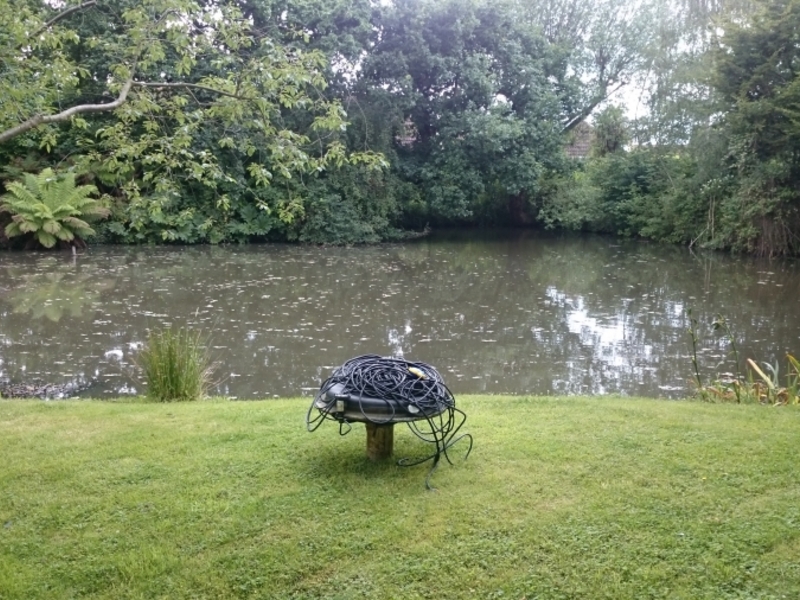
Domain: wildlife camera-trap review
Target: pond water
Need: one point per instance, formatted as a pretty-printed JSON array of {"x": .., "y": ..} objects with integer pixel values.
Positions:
[{"x": 518, "y": 312}]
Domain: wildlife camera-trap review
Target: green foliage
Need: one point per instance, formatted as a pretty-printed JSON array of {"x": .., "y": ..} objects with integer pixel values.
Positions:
[
  {"x": 201, "y": 218},
  {"x": 50, "y": 208},
  {"x": 761, "y": 386},
  {"x": 610, "y": 131},
  {"x": 726, "y": 104},
  {"x": 715, "y": 161},
  {"x": 575, "y": 202},
  {"x": 169, "y": 101},
  {"x": 175, "y": 365},
  {"x": 351, "y": 206},
  {"x": 758, "y": 81},
  {"x": 474, "y": 100},
  {"x": 613, "y": 193},
  {"x": 258, "y": 120}
]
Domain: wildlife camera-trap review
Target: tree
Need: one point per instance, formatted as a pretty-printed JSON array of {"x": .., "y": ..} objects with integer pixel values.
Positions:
[
  {"x": 674, "y": 77},
  {"x": 610, "y": 131},
  {"x": 757, "y": 77},
  {"x": 159, "y": 94},
  {"x": 597, "y": 46},
  {"x": 474, "y": 120}
]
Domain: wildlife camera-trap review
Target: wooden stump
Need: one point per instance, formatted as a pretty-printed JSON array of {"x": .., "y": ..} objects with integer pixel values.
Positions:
[{"x": 380, "y": 439}]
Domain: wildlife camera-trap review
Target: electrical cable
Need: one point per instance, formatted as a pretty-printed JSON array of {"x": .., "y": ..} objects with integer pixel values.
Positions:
[{"x": 384, "y": 390}]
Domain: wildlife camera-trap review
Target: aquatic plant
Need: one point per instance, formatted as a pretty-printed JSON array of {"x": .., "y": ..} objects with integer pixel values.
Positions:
[
  {"x": 768, "y": 388},
  {"x": 756, "y": 385},
  {"x": 721, "y": 323},
  {"x": 693, "y": 325},
  {"x": 175, "y": 364},
  {"x": 51, "y": 209}
]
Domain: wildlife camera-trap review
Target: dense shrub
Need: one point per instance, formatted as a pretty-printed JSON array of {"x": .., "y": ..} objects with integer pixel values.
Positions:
[{"x": 49, "y": 208}]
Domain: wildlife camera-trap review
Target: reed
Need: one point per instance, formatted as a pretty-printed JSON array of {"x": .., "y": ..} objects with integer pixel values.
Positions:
[
  {"x": 768, "y": 388},
  {"x": 693, "y": 335},
  {"x": 175, "y": 365},
  {"x": 752, "y": 385}
]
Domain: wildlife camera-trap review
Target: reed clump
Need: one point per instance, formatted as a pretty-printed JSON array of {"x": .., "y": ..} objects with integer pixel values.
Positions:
[
  {"x": 175, "y": 365},
  {"x": 751, "y": 383}
]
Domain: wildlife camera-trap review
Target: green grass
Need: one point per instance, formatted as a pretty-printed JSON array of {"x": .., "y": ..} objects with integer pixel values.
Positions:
[
  {"x": 175, "y": 364},
  {"x": 565, "y": 498}
]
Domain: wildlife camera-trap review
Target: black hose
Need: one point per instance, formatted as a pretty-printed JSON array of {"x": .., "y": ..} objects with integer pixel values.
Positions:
[{"x": 390, "y": 390}]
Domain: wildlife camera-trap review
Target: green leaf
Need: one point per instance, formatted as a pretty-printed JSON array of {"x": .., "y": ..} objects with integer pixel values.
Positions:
[
  {"x": 51, "y": 226},
  {"x": 46, "y": 239},
  {"x": 48, "y": 205}
]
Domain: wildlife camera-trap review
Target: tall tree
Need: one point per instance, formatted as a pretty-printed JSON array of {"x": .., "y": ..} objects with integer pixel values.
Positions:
[
  {"x": 674, "y": 81},
  {"x": 179, "y": 85},
  {"x": 757, "y": 76},
  {"x": 476, "y": 119},
  {"x": 600, "y": 46}
]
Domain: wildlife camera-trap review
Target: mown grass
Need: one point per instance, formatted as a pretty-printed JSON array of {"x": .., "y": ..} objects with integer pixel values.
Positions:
[{"x": 562, "y": 498}]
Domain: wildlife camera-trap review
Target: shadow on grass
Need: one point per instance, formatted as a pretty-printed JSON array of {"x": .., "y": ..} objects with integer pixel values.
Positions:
[{"x": 342, "y": 462}]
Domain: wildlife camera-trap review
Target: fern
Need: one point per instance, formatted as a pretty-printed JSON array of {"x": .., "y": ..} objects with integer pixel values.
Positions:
[{"x": 51, "y": 208}]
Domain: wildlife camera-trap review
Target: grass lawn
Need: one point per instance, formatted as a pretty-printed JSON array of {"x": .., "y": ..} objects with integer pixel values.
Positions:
[{"x": 562, "y": 498}]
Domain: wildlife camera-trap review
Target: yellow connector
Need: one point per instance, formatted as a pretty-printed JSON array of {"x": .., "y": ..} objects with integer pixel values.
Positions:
[{"x": 417, "y": 372}]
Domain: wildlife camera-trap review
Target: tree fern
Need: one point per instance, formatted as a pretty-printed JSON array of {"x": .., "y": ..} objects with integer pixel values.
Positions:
[{"x": 51, "y": 208}]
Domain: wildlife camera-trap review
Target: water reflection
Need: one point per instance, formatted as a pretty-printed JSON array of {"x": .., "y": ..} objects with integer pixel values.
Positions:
[
  {"x": 52, "y": 294},
  {"x": 521, "y": 313}
]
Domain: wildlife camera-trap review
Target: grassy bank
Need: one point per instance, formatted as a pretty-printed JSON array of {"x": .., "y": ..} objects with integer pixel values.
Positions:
[{"x": 561, "y": 498}]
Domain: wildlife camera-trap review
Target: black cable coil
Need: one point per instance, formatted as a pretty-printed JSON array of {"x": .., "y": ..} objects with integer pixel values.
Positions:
[{"x": 384, "y": 390}]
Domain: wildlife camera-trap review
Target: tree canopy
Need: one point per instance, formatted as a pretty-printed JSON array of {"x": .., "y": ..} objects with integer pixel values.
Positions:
[
  {"x": 353, "y": 121},
  {"x": 163, "y": 97}
]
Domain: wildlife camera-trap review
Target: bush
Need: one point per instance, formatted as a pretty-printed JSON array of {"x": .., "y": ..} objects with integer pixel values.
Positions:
[
  {"x": 50, "y": 208},
  {"x": 176, "y": 365},
  {"x": 350, "y": 206}
]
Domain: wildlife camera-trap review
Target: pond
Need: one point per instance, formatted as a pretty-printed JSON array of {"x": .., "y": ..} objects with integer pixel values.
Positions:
[{"x": 515, "y": 312}]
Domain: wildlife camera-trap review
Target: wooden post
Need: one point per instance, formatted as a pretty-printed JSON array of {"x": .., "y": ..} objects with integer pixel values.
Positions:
[{"x": 380, "y": 439}]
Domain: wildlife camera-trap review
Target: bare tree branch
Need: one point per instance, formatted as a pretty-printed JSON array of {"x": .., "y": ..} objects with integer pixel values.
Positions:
[
  {"x": 67, "y": 114},
  {"x": 587, "y": 110},
  {"x": 62, "y": 15},
  {"x": 195, "y": 86}
]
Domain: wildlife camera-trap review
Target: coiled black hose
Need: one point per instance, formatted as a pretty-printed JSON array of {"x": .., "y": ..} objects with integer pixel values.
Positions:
[{"x": 384, "y": 390}]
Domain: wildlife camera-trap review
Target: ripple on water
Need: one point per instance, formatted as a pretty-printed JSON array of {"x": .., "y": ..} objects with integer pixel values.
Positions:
[{"x": 530, "y": 315}]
